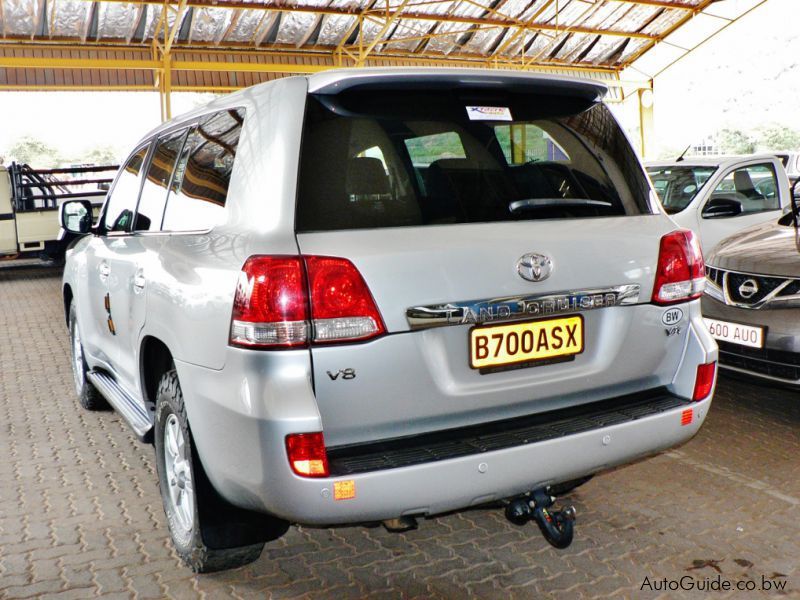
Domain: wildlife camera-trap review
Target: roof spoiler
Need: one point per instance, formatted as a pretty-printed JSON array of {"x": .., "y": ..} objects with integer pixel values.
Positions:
[{"x": 336, "y": 81}]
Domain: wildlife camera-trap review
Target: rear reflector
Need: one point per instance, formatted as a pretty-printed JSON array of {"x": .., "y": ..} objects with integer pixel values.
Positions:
[
  {"x": 307, "y": 455},
  {"x": 289, "y": 301},
  {"x": 704, "y": 381},
  {"x": 680, "y": 275}
]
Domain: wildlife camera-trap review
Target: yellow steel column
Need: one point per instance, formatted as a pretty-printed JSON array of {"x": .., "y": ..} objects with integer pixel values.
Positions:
[
  {"x": 646, "y": 98},
  {"x": 166, "y": 113},
  {"x": 162, "y": 52},
  {"x": 519, "y": 143}
]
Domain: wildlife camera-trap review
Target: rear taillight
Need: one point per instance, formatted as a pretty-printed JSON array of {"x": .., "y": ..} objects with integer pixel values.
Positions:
[
  {"x": 704, "y": 381},
  {"x": 307, "y": 455},
  {"x": 270, "y": 308},
  {"x": 680, "y": 274},
  {"x": 342, "y": 307},
  {"x": 289, "y": 301}
]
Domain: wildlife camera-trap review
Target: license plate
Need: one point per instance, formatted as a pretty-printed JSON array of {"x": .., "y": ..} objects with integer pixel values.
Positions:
[
  {"x": 736, "y": 333},
  {"x": 531, "y": 341}
]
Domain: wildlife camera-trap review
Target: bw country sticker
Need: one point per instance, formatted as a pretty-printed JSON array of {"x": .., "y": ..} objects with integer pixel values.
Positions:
[
  {"x": 673, "y": 316},
  {"x": 344, "y": 490},
  {"x": 489, "y": 113}
]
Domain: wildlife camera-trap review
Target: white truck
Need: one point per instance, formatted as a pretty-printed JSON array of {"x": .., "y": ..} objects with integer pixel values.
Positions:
[
  {"x": 717, "y": 196},
  {"x": 29, "y": 201}
]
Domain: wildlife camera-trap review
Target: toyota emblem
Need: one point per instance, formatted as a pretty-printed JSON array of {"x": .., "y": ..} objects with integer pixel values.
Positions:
[{"x": 534, "y": 267}]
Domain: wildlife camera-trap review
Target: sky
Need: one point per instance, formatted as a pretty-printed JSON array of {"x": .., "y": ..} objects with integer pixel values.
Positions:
[{"x": 748, "y": 76}]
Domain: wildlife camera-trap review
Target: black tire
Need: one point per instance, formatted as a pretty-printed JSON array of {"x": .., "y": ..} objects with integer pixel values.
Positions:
[
  {"x": 217, "y": 536},
  {"x": 88, "y": 396}
]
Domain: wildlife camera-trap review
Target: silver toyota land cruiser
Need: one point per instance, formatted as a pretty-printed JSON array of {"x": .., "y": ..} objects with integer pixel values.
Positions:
[{"x": 376, "y": 295}]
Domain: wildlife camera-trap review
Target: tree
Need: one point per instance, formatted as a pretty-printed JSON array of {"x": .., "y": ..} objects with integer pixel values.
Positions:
[
  {"x": 735, "y": 141},
  {"x": 100, "y": 155},
  {"x": 34, "y": 152},
  {"x": 775, "y": 137}
]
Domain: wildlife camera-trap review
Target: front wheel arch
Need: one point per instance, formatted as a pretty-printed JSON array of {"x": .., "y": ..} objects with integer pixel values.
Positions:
[{"x": 68, "y": 296}]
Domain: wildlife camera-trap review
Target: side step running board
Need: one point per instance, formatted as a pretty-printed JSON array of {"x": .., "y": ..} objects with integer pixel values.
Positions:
[{"x": 136, "y": 416}]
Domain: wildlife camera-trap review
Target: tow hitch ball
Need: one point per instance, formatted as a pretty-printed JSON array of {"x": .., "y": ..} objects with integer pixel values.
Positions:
[{"x": 557, "y": 526}]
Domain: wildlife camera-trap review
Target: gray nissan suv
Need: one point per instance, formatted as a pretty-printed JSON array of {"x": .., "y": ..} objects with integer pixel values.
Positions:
[
  {"x": 371, "y": 296},
  {"x": 752, "y": 301}
]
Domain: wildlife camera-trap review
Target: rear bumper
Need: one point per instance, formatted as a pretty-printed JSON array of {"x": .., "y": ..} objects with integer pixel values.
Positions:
[{"x": 239, "y": 432}]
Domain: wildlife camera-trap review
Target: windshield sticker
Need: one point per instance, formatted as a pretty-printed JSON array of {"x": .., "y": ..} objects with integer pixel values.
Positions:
[{"x": 489, "y": 113}]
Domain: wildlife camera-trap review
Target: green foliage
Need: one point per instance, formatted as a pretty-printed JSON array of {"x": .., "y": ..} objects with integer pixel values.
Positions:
[
  {"x": 34, "y": 152},
  {"x": 735, "y": 141},
  {"x": 100, "y": 155},
  {"x": 426, "y": 149},
  {"x": 41, "y": 155},
  {"x": 775, "y": 137}
]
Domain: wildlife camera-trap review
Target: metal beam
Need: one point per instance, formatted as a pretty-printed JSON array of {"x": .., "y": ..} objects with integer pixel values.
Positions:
[
  {"x": 227, "y": 67},
  {"x": 363, "y": 52},
  {"x": 520, "y": 32},
  {"x": 163, "y": 38},
  {"x": 660, "y": 4},
  {"x": 678, "y": 24},
  {"x": 277, "y": 57},
  {"x": 27, "y": 62},
  {"x": 30, "y": 62},
  {"x": 710, "y": 37}
]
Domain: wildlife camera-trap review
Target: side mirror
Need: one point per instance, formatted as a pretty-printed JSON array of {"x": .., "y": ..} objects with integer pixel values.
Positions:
[
  {"x": 75, "y": 216},
  {"x": 722, "y": 206}
]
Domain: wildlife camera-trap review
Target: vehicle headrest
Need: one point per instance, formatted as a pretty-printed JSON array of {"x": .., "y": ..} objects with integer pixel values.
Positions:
[
  {"x": 743, "y": 183},
  {"x": 367, "y": 177}
]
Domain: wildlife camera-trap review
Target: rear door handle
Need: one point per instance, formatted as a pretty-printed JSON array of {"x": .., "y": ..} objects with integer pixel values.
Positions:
[
  {"x": 104, "y": 271},
  {"x": 138, "y": 281}
]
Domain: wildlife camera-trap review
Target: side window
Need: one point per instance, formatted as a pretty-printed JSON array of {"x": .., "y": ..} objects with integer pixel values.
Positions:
[
  {"x": 153, "y": 198},
  {"x": 122, "y": 201},
  {"x": 523, "y": 143},
  {"x": 427, "y": 149},
  {"x": 754, "y": 186},
  {"x": 200, "y": 186}
]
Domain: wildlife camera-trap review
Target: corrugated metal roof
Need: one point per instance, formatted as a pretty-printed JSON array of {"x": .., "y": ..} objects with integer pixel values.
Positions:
[
  {"x": 551, "y": 31},
  {"x": 598, "y": 37}
]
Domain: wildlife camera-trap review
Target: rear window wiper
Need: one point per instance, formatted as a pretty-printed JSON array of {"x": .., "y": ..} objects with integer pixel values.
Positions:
[{"x": 540, "y": 203}]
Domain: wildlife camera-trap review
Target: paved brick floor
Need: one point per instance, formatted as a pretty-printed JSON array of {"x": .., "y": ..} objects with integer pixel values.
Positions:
[{"x": 80, "y": 513}]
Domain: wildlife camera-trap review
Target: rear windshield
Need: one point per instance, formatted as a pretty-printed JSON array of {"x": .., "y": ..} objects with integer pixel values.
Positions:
[
  {"x": 677, "y": 186},
  {"x": 375, "y": 159}
]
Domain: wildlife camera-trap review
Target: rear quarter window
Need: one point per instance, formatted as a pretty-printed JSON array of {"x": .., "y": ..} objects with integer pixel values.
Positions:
[{"x": 199, "y": 187}]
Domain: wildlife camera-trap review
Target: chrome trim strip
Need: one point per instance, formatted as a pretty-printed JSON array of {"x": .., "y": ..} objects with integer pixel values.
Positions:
[
  {"x": 713, "y": 290},
  {"x": 512, "y": 308},
  {"x": 789, "y": 277},
  {"x": 755, "y": 305}
]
